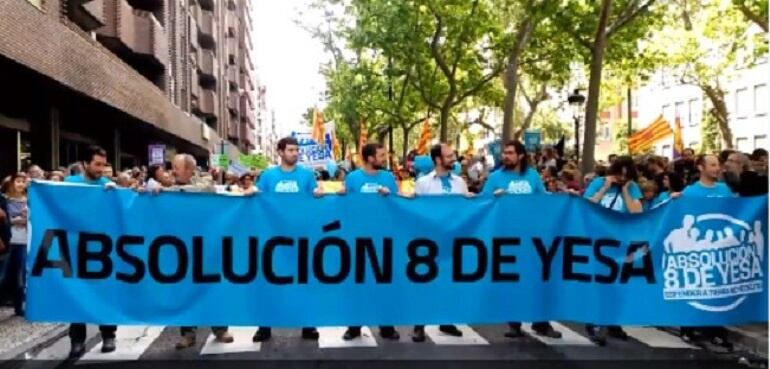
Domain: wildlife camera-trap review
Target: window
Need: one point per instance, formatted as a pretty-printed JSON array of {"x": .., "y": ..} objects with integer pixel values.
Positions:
[
  {"x": 679, "y": 111},
  {"x": 760, "y": 99},
  {"x": 742, "y": 103},
  {"x": 742, "y": 144},
  {"x": 606, "y": 132},
  {"x": 666, "y": 151},
  {"x": 667, "y": 114},
  {"x": 693, "y": 110},
  {"x": 760, "y": 142}
]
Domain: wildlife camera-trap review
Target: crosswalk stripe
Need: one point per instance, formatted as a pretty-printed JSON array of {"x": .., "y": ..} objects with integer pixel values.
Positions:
[
  {"x": 656, "y": 338},
  {"x": 130, "y": 342},
  {"x": 469, "y": 337},
  {"x": 568, "y": 336},
  {"x": 331, "y": 337},
  {"x": 242, "y": 342}
]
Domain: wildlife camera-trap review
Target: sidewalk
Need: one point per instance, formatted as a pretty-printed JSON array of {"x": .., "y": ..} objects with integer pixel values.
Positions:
[
  {"x": 20, "y": 336},
  {"x": 752, "y": 337}
]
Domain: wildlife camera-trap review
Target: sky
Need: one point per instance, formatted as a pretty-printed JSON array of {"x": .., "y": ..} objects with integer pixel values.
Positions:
[{"x": 287, "y": 60}]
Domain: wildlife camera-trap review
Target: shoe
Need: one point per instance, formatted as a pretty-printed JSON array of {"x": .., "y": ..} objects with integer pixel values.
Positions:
[
  {"x": 224, "y": 337},
  {"x": 351, "y": 333},
  {"x": 262, "y": 335},
  {"x": 389, "y": 333},
  {"x": 77, "y": 349},
  {"x": 515, "y": 332},
  {"x": 185, "y": 342},
  {"x": 108, "y": 345},
  {"x": 597, "y": 336},
  {"x": 549, "y": 333},
  {"x": 418, "y": 335},
  {"x": 450, "y": 330},
  {"x": 617, "y": 333},
  {"x": 310, "y": 334}
]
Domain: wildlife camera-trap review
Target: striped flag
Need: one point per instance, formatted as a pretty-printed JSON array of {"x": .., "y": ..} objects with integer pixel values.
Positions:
[
  {"x": 318, "y": 127},
  {"x": 424, "y": 141},
  {"x": 678, "y": 142},
  {"x": 643, "y": 139}
]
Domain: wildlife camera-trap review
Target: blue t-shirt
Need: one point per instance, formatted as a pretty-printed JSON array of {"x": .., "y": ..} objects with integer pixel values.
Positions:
[
  {"x": 80, "y": 178},
  {"x": 514, "y": 183},
  {"x": 663, "y": 197},
  {"x": 446, "y": 183},
  {"x": 360, "y": 181},
  {"x": 697, "y": 189},
  {"x": 613, "y": 198},
  {"x": 276, "y": 180}
]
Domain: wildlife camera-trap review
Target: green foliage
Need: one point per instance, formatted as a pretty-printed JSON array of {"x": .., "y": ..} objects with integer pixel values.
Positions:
[{"x": 710, "y": 139}]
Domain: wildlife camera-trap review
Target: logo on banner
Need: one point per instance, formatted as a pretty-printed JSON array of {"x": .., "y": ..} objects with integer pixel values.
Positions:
[{"x": 713, "y": 261}]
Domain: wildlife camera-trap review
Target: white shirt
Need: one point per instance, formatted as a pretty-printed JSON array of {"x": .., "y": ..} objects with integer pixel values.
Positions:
[{"x": 430, "y": 184}]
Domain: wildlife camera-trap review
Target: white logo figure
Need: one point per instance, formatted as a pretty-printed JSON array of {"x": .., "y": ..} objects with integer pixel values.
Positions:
[
  {"x": 287, "y": 186},
  {"x": 519, "y": 188},
  {"x": 717, "y": 271}
]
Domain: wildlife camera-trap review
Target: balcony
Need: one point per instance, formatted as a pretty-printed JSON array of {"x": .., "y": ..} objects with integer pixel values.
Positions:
[
  {"x": 151, "y": 40},
  {"x": 208, "y": 68},
  {"x": 247, "y": 135},
  {"x": 232, "y": 102},
  {"x": 231, "y": 23},
  {"x": 232, "y": 128},
  {"x": 232, "y": 50},
  {"x": 195, "y": 87},
  {"x": 88, "y": 14},
  {"x": 207, "y": 104},
  {"x": 134, "y": 35},
  {"x": 207, "y": 28},
  {"x": 232, "y": 78}
]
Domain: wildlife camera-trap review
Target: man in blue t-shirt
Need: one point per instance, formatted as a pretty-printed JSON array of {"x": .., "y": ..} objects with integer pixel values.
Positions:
[
  {"x": 288, "y": 177},
  {"x": 516, "y": 177},
  {"x": 617, "y": 191},
  {"x": 371, "y": 179},
  {"x": 708, "y": 185},
  {"x": 93, "y": 167}
]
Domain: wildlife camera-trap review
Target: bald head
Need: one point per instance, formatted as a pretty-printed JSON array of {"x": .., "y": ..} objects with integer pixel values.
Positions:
[
  {"x": 737, "y": 163},
  {"x": 184, "y": 168}
]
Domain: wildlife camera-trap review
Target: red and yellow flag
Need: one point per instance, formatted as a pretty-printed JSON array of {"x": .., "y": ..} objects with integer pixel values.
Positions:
[
  {"x": 318, "y": 127},
  {"x": 336, "y": 148},
  {"x": 425, "y": 137},
  {"x": 643, "y": 139},
  {"x": 678, "y": 142}
]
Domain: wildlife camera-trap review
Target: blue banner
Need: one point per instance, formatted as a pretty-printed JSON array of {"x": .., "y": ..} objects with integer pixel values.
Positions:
[{"x": 121, "y": 257}]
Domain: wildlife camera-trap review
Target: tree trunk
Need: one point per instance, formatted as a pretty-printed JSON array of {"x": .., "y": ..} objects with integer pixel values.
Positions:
[
  {"x": 446, "y": 110},
  {"x": 717, "y": 98},
  {"x": 512, "y": 77},
  {"x": 405, "y": 149},
  {"x": 594, "y": 86}
]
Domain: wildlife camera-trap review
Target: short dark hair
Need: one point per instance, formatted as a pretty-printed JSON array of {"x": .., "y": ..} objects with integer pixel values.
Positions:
[
  {"x": 95, "y": 151},
  {"x": 153, "y": 171},
  {"x": 701, "y": 160},
  {"x": 520, "y": 150},
  {"x": 758, "y": 154},
  {"x": 286, "y": 141},
  {"x": 723, "y": 155},
  {"x": 689, "y": 149},
  {"x": 370, "y": 149},
  {"x": 435, "y": 151},
  {"x": 627, "y": 162}
]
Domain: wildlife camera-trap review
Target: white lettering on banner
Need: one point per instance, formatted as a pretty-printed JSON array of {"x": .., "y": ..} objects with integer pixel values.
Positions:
[{"x": 713, "y": 257}]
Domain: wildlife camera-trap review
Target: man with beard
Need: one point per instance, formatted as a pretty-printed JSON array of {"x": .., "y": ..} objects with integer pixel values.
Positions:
[
  {"x": 441, "y": 181},
  {"x": 741, "y": 178},
  {"x": 517, "y": 178},
  {"x": 708, "y": 185},
  {"x": 288, "y": 178},
  {"x": 92, "y": 175},
  {"x": 371, "y": 179},
  {"x": 685, "y": 166}
]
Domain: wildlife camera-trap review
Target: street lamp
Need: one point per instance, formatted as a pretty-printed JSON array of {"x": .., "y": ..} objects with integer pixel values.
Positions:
[{"x": 576, "y": 101}]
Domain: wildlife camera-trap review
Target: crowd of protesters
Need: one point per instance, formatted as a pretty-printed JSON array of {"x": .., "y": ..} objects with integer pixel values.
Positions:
[{"x": 622, "y": 183}]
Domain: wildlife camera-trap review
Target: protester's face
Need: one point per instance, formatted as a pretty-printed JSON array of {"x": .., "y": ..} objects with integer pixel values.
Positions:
[
  {"x": 247, "y": 183},
  {"x": 380, "y": 159},
  {"x": 165, "y": 179},
  {"x": 95, "y": 168},
  {"x": 182, "y": 172},
  {"x": 688, "y": 155},
  {"x": 35, "y": 172},
  {"x": 20, "y": 184},
  {"x": 733, "y": 164},
  {"x": 649, "y": 194},
  {"x": 622, "y": 178},
  {"x": 510, "y": 157},
  {"x": 553, "y": 186},
  {"x": 666, "y": 182},
  {"x": 289, "y": 154},
  {"x": 108, "y": 172},
  {"x": 710, "y": 168},
  {"x": 447, "y": 157}
]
